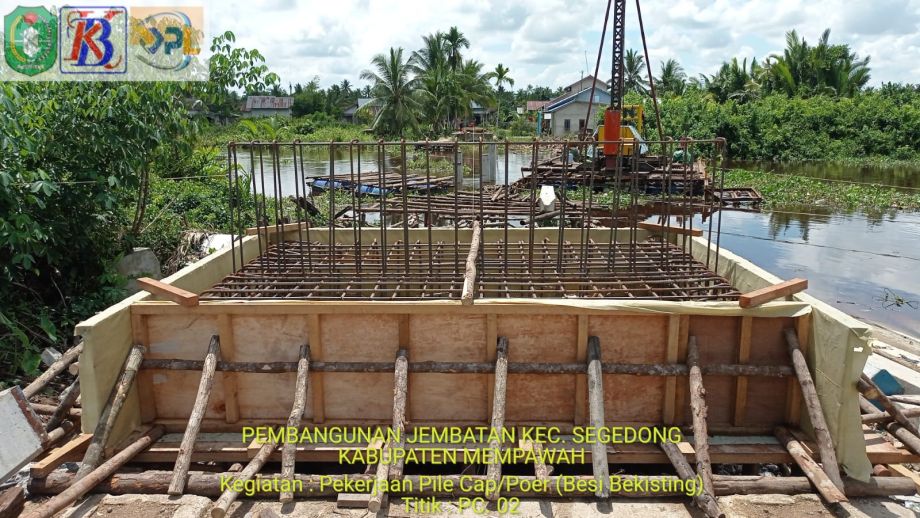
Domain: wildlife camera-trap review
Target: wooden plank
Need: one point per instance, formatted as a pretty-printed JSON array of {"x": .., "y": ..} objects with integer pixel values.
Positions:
[
  {"x": 784, "y": 289},
  {"x": 167, "y": 291},
  {"x": 581, "y": 381},
  {"x": 316, "y": 381},
  {"x": 741, "y": 382},
  {"x": 660, "y": 229},
  {"x": 141, "y": 335},
  {"x": 228, "y": 379},
  {"x": 670, "y": 390},
  {"x": 71, "y": 451},
  {"x": 683, "y": 387}
]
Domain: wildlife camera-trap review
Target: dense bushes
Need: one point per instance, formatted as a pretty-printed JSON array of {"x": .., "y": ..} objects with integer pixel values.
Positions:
[{"x": 880, "y": 123}]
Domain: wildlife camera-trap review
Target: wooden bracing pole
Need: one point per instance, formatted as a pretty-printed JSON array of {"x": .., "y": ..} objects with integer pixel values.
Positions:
[
  {"x": 68, "y": 398},
  {"x": 494, "y": 471},
  {"x": 96, "y": 449},
  {"x": 699, "y": 413},
  {"x": 53, "y": 370},
  {"x": 187, "y": 447},
  {"x": 703, "y": 500},
  {"x": 871, "y": 391},
  {"x": 469, "y": 277},
  {"x": 908, "y": 439},
  {"x": 596, "y": 418},
  {"x": 384, "y": 469},
  {"x": 289, "y": 450},
  {"x": 84, "y": 485},
  {"x": 815, "y": 413},
  {"x": 812, "y": 470},
  {"x": 222, "y": 505}
]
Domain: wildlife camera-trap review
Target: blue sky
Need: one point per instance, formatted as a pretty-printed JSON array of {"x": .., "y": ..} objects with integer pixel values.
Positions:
[{"x": 544, "y": 42}]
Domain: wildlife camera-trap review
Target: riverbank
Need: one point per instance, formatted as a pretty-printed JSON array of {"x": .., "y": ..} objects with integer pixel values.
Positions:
[{"x": 785, "y": 191}]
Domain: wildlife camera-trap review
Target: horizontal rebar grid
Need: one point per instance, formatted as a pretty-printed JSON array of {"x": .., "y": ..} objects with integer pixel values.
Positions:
[{"x": 423, "y": 271}]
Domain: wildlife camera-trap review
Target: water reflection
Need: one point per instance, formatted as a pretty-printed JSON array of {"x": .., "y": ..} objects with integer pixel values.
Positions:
[
  {"x": 896, "y": 175},
  {"x": 850, "y": 260}
]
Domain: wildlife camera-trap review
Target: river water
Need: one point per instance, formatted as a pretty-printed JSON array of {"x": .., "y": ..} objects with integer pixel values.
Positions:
[{"x": 867, "y": 266}]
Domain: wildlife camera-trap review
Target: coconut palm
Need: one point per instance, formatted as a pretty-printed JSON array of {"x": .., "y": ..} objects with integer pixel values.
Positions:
[
  {"x": 393, "y": 91},
  {"x": 501, "y": 78},
  {"x": 824, "y": 69},
  {"x": 634, "y": 79},
  {"x": 672, "y": 80},
  {"x": 455, "y": 41}
]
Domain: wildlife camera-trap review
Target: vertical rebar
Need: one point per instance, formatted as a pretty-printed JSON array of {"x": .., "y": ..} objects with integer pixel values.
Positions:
[
  {"x": 405, "y": 203},
  {"x": 428, "y": 215},
  {"x": 533, "y": 200},
  {"x": 506, "y": 196},
  {"x": 303, "y": 173},
  {"x": 231, "y": 158},
  {"x": 381, "y": 169},
  {"x": 298, "y": 203},
  {"x": 331, "y": 192},
  {"x": 562, "y": 200},
  {"x": 359, "y": 215}
]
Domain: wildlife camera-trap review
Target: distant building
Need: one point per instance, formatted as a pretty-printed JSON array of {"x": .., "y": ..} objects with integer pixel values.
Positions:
[
  {"x": 349, "y": 114},
  {"x": 267, "y": 106},
  {"x": 582, "y": 84},
  {"x": 535, "y": 106},
  {"x": 481, "y": 114},
  {"x": 569, "y": 114}
]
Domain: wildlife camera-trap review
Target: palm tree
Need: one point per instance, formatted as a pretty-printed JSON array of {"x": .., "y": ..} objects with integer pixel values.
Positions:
[
  {"x": 824, "y": 69},
  {"x": 501, "y": 77},
  {"x": 431, "y": 56},
  {"x": 345, "y": 86},
  {"x": 455, "y": 41},
  {"x": 393, "y": 91},
  {"x": 672, "y": 80},
  {"x": 634, "y": 73}
]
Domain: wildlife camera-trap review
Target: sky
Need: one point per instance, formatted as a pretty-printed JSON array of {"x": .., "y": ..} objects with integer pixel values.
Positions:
[{"x": 554, "y": 42}]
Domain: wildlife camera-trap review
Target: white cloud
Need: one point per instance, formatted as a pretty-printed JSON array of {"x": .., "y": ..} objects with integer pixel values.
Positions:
[{"x": 544, "y": 42}]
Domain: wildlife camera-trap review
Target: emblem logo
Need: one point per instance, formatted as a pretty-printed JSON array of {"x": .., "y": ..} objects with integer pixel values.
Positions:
[
  {"x": 31, "y": 37},
  {"x": 166, "y": 40},
  {"x": 94, "y": 40}
]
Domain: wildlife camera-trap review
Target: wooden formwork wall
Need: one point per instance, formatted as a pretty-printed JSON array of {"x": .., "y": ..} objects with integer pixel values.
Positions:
[{"x": 448, "y": 332}]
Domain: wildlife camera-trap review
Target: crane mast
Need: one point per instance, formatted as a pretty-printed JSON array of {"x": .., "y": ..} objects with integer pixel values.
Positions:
[{"x": 614, "y": 114}]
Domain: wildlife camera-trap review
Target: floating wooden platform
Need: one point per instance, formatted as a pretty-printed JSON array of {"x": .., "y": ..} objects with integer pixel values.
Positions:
[
  {"x": 371, "y": 183},
  {"x": 737, "y": 196}
]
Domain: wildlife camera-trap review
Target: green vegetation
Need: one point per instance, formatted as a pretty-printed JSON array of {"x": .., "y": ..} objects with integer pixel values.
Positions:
[
  {"x": 79, "y": 165},
  {"x": 787, "y": 191},
  {"x": 318, "y": 127}
]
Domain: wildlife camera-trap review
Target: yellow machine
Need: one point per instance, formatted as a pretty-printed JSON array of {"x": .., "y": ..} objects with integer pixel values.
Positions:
[{"x": 631, "y": 116}]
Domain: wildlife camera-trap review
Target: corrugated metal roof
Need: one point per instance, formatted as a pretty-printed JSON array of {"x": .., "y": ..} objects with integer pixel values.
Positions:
[
  {"x": 267, "y": 102},
  {"x": 533, "y": 106},
  {"x": 600, "y": 97}
]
